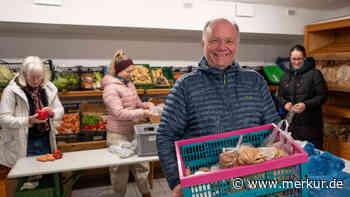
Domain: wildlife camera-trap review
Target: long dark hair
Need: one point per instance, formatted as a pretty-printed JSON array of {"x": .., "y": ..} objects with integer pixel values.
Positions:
[{"x": 298, "y": 47}]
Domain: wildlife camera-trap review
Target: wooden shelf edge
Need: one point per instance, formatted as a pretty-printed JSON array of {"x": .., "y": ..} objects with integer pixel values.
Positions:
[
  {"x": 140, "y": 91},
  {"x": 330, "y": 56},
  {"x": 337, "y": 87},
  {"x": 328, "y": 25},
  {"x": 82, "y": 93},
  {"x": 158, "y": 91},
  {"x": 87, "y": 93},
  {"x": 336, "y": 111},
  {"x": 79, "y": 146},
  {"x": 80, "y": 143},
  {"x": 332, "y": 52},
  {"x": 98, "y": 93}
]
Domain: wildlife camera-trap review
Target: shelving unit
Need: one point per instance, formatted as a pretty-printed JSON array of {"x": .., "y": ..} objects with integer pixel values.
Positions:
[
  {"x": 331, "y": 41},
  {"x": 328, "y": 40},
  {"x": 87, "y": 94},
  {"x": 89, "y": 145}
]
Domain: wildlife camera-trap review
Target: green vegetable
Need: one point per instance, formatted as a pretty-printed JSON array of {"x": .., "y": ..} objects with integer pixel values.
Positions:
[
  {"x": 5, "y": 76},
  {"x": 66, "y": 81},
  {"x": 97, "y": 76},
  {"x": 90, "y": 120},
  {"x": 97, "y": 84}
]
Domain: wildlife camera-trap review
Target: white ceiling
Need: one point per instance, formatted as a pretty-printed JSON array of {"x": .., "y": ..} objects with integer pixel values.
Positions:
[{"x": 310, "y": 4}]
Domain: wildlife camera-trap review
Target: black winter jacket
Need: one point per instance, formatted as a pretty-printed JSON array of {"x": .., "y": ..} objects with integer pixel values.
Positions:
[{"x": 308, "y": 86}]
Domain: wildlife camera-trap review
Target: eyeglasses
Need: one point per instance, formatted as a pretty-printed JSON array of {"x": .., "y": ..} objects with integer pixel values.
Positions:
[
  {"x": 297, "y": 59},
  {"x": 34, "y": 78}
]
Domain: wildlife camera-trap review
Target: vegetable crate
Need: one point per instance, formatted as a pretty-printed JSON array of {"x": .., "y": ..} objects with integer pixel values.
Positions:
[
  {"x": 66, "y": 138},
  {"x": 273, "y": 74},
  {"x": 93, "y": 117},
  {"x": 146, "y": 139},
  {"x": 204, "y": 151}
]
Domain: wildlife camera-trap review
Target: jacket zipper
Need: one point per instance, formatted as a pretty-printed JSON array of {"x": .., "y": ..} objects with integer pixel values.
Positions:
[{"x": 224, "y": 78}]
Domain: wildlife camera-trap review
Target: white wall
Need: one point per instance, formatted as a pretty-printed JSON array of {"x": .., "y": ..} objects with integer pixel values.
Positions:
[
  {"x": 168, "y": 14},
  {"x": 338, "y": 13},
  {"x": 98, "y": 52},
  {"x": 147, "y": 14}
]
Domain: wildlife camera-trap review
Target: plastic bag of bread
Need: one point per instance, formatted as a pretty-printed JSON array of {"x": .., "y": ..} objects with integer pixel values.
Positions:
[
  {"x": 201, "y": 170},
  {"x": 332, "y": 73},
  {"x": 272, "y": 152},
  {"x": 248, "y": 154},
  {"x": 341, "y": 73},
  {"x": 345, "y": 70},
  {"x": 228, "y": 157}
]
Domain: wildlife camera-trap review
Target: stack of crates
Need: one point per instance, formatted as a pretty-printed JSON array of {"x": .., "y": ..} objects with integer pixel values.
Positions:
[
  {"x": 146, "y": 139},
  {"x": 205, "y": 151}
]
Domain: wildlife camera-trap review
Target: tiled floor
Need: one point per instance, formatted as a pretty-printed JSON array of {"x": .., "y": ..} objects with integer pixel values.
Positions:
[{"x": 160, "y": 189}]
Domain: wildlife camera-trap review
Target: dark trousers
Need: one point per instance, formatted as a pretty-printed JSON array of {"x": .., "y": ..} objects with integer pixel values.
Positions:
[{"x": 38, "y": 146}]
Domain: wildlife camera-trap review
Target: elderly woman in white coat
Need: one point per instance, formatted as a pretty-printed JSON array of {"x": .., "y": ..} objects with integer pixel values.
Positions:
[{"x": 23, "y": 133}]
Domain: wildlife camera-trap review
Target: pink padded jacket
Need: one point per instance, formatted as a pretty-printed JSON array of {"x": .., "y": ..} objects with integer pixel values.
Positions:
[{"x": 123, "y": 105}]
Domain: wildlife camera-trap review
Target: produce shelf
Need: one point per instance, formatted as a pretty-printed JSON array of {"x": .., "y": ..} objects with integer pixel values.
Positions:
[
  {"x": 87, "y": 93},
  {"x": 158, "y": 91},
  {"x": 336, "y": 111},
  {"x": 337, "y": 87},
  {"x": 79, "y": 146}
]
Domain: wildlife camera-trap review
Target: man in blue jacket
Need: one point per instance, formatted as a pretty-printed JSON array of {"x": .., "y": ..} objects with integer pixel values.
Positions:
[{"x": 218, "y": 97}]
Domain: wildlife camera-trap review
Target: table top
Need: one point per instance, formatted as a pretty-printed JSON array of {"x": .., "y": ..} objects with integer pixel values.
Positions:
[
  {"x": 82, "y": 160},
  {"x": 72, "y": 161}
]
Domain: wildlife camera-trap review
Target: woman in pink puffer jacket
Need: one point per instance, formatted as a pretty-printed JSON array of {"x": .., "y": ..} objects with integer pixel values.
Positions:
[{"x": 124, "y": 110}]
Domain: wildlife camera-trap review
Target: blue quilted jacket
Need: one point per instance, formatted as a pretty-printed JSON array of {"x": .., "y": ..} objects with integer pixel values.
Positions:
[{"x": 209, "y": 101}]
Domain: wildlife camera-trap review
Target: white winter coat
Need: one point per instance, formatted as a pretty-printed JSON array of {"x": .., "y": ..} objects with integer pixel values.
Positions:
[{"x": 14, "y": 110}]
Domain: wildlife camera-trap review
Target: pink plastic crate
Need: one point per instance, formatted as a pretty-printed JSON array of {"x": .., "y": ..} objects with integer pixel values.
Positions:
[{"x": 204, "y": 152}]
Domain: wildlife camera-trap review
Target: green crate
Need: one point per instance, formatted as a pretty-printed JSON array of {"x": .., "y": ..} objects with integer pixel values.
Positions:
[
  {"x": 49, "y": 186},
  {"x": 273, "y": 73}
]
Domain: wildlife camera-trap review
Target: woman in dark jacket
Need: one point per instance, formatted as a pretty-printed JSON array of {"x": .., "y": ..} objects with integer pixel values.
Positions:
[{"x": 302, "y": 91}]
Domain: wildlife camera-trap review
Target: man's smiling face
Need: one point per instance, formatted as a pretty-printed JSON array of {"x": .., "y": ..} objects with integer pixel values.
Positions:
[{"x": 220, "y": 44}]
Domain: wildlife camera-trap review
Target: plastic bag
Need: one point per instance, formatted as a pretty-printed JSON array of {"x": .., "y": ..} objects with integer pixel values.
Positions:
[
  {"x": 157, "y": 110},
  {"x": 278, "y": 138},
  {"x": 124, "y": 150}
]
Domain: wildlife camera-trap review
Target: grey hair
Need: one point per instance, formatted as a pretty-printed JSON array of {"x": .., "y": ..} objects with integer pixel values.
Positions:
[
  {"x": 29, "y": 64},
  {"x": 207, "y": 25}
]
